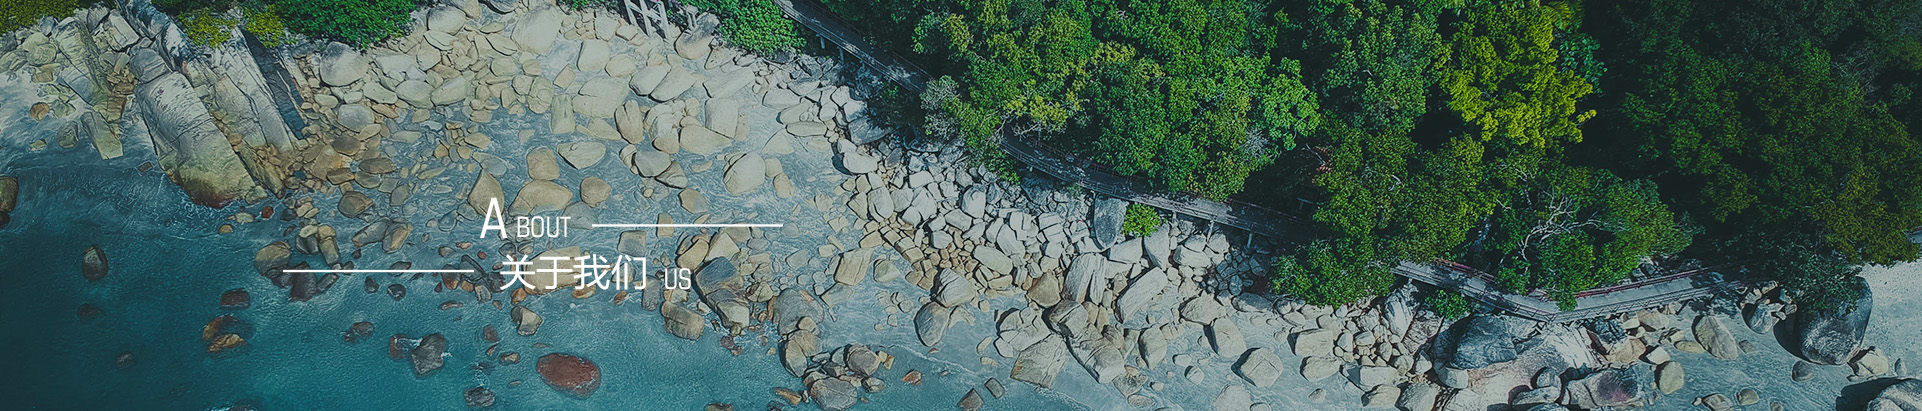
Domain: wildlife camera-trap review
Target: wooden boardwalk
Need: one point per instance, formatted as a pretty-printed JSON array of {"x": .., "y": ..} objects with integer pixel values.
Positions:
[{"x": 1255, "y": 219}]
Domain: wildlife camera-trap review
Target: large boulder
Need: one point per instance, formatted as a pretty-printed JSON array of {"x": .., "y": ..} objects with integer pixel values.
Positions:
[
  {"x": 1903, "y": 396},
  {"x": 1715, "y": 336},
  {"x": 537, "y": 32},
  {"x": 1142, "y": 292},
  {"x": 931, "y": 323},
  {"x": 1041, "y": 362},
  {"x": 791, "y": 305},
  {"x": 569, "y": 374},
  {"x": 1317, "y": 368},
  {"x": 683, "y": 322},
  {"x": 1481, "y": 340},
  {"x": 93, "y": 263},
  {"x": 1833, "y": 336},
  {"x": 339, "y": 65},
  {"x": 1418, "y": 397},
  {"x": 1105, "y": 220},
  {"x": 9, "y": 193},
  {"x": 833, "y": 394},
  {"x": 427, "y": 357},
  {"x": 193, "y": 150},
  {"x": 1260, "y": 366},
  {"x": 745, "y": 174},
  {"x": 1610, "y": 388},
  {"x": 853, "y": 159},
  {"x": 540, "y": 196}
]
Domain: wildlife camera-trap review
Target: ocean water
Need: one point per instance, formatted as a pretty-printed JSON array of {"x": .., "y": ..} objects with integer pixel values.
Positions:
[{"x": 169, "y": 268}]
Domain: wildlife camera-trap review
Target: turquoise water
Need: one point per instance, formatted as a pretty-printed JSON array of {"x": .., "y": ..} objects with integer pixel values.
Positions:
[{"x": 169, "y": 268}]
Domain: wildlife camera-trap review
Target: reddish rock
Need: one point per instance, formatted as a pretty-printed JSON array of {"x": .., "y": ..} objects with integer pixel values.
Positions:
[
  {"x": 236, "y": 299},
  {"x": 394, "y": 348},
  {"x": 225, "y": 324},
  {"x": 569, "y": 374},
  {"x": 488, "y": 333}
]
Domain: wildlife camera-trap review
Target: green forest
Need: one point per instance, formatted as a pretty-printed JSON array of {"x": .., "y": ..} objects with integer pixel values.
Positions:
[{"x": 1557, "y": 145}]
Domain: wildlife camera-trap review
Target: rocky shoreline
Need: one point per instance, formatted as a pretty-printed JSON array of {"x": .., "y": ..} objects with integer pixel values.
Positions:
[{"x": 406, "y": 143}]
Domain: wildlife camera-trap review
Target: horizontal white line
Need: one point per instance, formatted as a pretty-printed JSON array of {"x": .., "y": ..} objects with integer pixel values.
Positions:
[
  {"x": 377, "y": 271},
  {"x": 686, "y": 225}
]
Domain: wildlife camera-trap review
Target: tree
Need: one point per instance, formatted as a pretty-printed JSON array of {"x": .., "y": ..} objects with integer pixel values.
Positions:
[
  {"x": 1504, "y": 80},
  {"x": 1376, "y": 61},
  {"x": 1772, "y": 124}
]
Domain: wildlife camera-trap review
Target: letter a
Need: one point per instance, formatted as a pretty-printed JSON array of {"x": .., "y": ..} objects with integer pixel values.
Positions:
[{"x": 493, "y": 220}]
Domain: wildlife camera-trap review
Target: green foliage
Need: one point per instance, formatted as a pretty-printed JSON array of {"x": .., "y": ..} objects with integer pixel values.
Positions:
[
  {"x": 1375, "y": 60},
  {"x": 355, "y": 22},
  {"x": 584, "y": 4},
  {"x": 1328, "y": 272},
  {"x": 1141, "y": 220},
  {"x": 756, "y": 25},
  {"x": 182, "y": 7},
  {"x": 266, "y": 25},
  {"x": 1448, "y": 304},
  {"x": 1772, "y": 132},
  {"x": 15, "y": 14},
  {"x": 1577, "y": 228},
  {"x": 1791, "y": 148},
  {"x": 1504, "y": 81},
  {"x": 1185, "y": 94},
  {"x": 207, "y": 28}
]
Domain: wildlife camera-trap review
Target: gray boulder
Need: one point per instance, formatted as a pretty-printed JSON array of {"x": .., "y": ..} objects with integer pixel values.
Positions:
[
  {"x": 340, "y": 65},
  {"x": 426, "y": 357},
  {"x": 1610, "y": 388},
  {"x": 930, "y": 323},
  {"x": 1040, "y": 363},
  {"x": 1260, "y": 366},
  {"x": 1903, "y": 396},
  {"x": 1482, "y": 340},
  {"x": 1715, "y": 336},
  {"x": 833, "y": 394},
  {"x": 1105, "y": 220},
  {"x": 1834, "y": 335}
]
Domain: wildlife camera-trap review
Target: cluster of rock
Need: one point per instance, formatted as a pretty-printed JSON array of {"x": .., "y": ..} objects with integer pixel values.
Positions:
[
  {"x": 81, "y": 65},
  {"x": 214, "y": 128}
]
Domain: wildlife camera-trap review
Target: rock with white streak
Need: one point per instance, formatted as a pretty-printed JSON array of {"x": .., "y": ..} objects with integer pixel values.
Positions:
[{"x": 953, "y": 289}]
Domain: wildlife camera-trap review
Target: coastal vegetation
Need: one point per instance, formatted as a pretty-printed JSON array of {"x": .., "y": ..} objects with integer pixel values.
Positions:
[{"x": 1558, "y": 145}]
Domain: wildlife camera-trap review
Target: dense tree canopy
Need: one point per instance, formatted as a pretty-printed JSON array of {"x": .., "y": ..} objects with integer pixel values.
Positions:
[{"x": 1560, "y": 144}]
